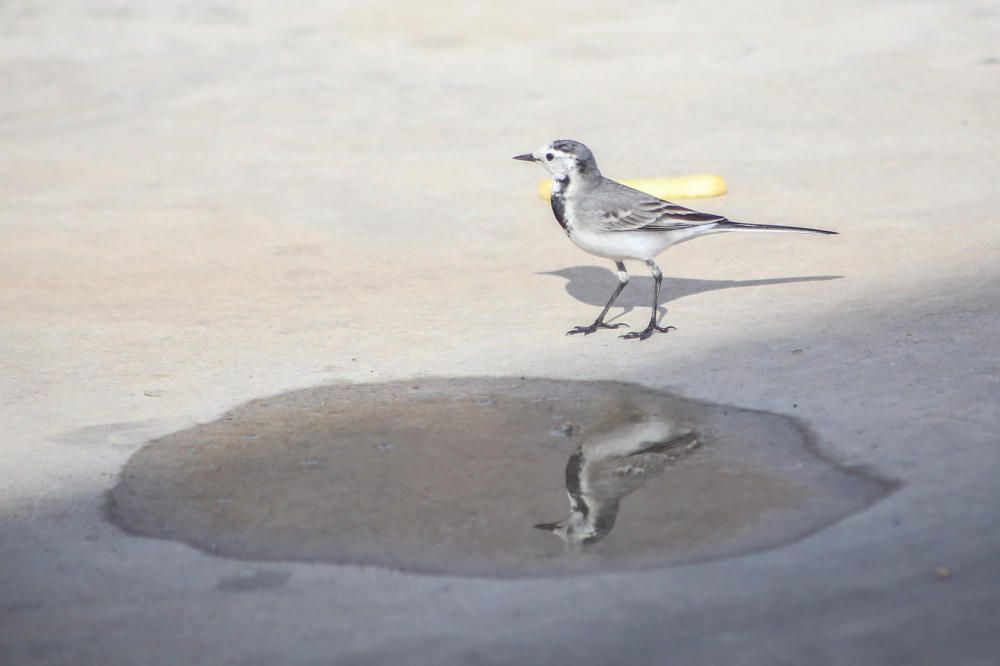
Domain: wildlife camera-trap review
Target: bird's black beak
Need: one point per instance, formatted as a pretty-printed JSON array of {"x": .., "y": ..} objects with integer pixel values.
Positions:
[
  {"x": 548, "y": 527},
  {"x": 527, "y": 157}
]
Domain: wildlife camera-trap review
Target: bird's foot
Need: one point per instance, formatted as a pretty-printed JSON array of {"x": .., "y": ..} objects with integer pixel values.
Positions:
[
  {"x": 652, "y": 328},
  {"x": 587, "y": 330}
]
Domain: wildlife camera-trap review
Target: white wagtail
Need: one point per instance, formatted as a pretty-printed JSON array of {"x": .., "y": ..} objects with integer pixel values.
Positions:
[
  {"x": 611, "y": 220},
  {"x": 608, "y": 466}
]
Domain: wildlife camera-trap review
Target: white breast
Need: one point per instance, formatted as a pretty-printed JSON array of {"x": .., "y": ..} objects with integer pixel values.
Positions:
[
  {"x": 622, "y": 244},
  {"x": 639, "y": 245}
]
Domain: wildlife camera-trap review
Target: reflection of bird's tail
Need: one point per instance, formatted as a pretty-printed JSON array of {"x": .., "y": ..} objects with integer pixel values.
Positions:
[{"x": 742, "y": 226}]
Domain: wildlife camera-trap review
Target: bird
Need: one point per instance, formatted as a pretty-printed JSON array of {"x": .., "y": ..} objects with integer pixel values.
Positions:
[
  {"x": 610, "y": 465},
  {"x": 616, "y": 222}
]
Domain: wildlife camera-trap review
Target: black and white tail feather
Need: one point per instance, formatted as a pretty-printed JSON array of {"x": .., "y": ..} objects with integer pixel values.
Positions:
[{"x": 729, "y": 225}]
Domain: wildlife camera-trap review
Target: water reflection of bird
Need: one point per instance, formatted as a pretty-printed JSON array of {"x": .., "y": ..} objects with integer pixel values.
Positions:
[{"x": 610, "y": 465}]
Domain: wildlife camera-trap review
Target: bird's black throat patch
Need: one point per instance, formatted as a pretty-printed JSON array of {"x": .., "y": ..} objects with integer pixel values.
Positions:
[
  {"x": 574, "y": 467},
  {"x": 558, "y": 201}
]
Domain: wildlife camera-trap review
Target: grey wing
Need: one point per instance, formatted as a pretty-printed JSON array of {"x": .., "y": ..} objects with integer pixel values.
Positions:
[
  {"x": 672, "y": 448},
  {"x": 618, "y": 475},
  {"x": 614, "y": 477},
  {"x": 627, "y": 209}
]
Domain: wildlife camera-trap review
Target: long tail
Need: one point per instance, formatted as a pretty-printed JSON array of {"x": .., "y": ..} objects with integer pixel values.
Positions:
[{"x": 741, "y": 226}]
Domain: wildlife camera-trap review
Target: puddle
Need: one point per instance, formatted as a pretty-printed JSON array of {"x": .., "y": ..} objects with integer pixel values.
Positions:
[{"x": 486, "y": 476}]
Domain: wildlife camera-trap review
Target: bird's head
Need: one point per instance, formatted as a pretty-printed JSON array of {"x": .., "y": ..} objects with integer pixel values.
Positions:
[
  {"x": 564, "y": 158},
  {"x": 575, "y": 530}
]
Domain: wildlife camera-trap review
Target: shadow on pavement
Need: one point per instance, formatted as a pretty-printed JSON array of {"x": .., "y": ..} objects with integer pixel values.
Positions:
[{"x": 593, "y": 285}]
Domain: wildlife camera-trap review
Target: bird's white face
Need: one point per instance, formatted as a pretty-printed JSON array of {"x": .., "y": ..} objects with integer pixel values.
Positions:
[
  {"x": 563, "y": 159},
  {"x": 575, "y": 530},
  {"x": 560, "y": 164}
]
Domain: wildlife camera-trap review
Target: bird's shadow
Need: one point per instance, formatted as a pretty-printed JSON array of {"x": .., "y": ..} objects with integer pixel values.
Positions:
[{"x": 593, "y": 285}]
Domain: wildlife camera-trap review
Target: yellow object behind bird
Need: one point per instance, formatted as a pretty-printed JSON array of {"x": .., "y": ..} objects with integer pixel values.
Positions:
[{"x": 681, "y": 187}]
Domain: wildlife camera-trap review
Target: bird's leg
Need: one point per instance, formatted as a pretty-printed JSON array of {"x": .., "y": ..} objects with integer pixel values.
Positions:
[
  {"x": 599, "y": 322},
  {"x": 652, "y": 328}
]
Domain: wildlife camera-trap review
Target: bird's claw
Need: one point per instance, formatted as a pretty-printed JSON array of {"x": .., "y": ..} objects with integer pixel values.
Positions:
[
  {"x": 587, "y": 330},
  {"x": 648, "y": 332}
]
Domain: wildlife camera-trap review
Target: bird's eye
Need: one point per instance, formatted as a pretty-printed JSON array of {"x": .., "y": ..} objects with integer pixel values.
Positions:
[{"x": 549, "y": 156}]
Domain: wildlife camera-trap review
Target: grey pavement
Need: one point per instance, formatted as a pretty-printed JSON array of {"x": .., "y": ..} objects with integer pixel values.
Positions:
[{"x": 202, "y": 204}]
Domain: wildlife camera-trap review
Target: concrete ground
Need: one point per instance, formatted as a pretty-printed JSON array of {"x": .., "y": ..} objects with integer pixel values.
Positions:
[{"x": 204, "y": 204}]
